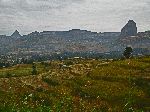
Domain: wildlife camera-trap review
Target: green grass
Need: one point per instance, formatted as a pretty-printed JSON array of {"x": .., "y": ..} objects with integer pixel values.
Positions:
[
  {"x": 84, "y": 85},
  {"x": 23, "y": 70}
]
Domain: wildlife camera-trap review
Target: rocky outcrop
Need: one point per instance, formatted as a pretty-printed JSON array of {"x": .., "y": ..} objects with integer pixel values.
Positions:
[
  {"x": 16, "y": 34},
  {"x": 129, "y": 29}
]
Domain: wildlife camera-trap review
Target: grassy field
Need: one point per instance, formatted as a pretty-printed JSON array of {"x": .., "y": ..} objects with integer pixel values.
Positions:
[{"x": 77, "y": 85}]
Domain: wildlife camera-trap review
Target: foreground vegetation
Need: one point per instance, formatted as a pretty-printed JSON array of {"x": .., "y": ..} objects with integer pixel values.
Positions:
[{"x": 77, "y": 85}]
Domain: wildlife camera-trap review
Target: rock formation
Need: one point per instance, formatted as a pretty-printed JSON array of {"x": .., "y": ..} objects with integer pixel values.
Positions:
[
  {"x": 16, "y": 34},
  {"x": 129, "y": 29}
]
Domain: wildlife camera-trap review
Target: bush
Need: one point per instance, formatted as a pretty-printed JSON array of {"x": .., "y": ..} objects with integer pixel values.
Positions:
[
  {"x": 51, "y": 82},
  {"x": 8, "y": 75},
  {"x": 34, "y": 70}
]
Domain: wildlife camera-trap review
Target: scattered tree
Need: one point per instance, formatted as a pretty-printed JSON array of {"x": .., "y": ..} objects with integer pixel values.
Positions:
[
  {"x": 34, "y": 70},
  {"x": 127, "y": 52}
]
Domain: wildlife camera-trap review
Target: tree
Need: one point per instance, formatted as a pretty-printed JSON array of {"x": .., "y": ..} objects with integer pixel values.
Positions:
[
  {"x": 127, "y": 52},
  {"x": 34, "y": 70}
]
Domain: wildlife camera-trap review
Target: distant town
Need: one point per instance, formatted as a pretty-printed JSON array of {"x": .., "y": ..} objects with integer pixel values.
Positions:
[{"x": 49, "y": 45}]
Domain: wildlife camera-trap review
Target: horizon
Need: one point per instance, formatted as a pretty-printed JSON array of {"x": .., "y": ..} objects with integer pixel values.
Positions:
[
  {"x": 66, "y": 31},
  {"x": 97, "y": 15}
]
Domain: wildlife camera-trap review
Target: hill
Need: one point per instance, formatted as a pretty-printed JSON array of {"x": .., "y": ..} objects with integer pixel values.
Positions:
[{"x": 77, "y": 85}]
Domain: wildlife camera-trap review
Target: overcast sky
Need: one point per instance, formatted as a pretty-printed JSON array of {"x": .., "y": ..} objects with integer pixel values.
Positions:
[{"x": 95, "y": 15}]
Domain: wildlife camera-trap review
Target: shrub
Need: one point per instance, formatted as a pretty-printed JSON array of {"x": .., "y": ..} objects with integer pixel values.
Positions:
[
  {"x": 51, "y": 82},
  {"x": 34, "y": 70},
  {"x": 8, "y": 75}
]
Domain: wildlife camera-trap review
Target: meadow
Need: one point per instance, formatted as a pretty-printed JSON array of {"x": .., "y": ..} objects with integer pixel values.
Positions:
[{"x": 77, "y": 85}]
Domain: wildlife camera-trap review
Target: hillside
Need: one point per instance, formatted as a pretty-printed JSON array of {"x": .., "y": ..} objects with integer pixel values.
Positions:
[
  {"x": 86, "y": 85},
  {"x": 136, "y": 42},
  {"x": 49, "y": 45}
]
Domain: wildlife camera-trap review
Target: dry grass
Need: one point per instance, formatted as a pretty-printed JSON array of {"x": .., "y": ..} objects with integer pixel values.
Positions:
[{"x": 77, "y": 85}]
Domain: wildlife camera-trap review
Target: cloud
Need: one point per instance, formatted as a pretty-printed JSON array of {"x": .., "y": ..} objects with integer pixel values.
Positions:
[
  {"x": 96, "y": 15},
  {"x": 36, "y": 5}
]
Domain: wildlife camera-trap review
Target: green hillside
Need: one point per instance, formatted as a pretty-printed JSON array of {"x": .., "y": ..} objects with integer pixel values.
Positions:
[{"x": 77, "y": 85}]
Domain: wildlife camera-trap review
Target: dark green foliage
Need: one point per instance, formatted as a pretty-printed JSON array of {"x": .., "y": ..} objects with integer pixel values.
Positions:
[
  {"x": 51, "y": 82},
  {"x": 68, "y": 62},
  {"x": 34, "y": 70},
  {"x": 8, "y": 75},
  {"x": 127, "y": 53}
]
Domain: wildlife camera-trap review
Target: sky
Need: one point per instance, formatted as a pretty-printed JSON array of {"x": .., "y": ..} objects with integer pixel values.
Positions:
[{"x": 60, "y": 15}]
